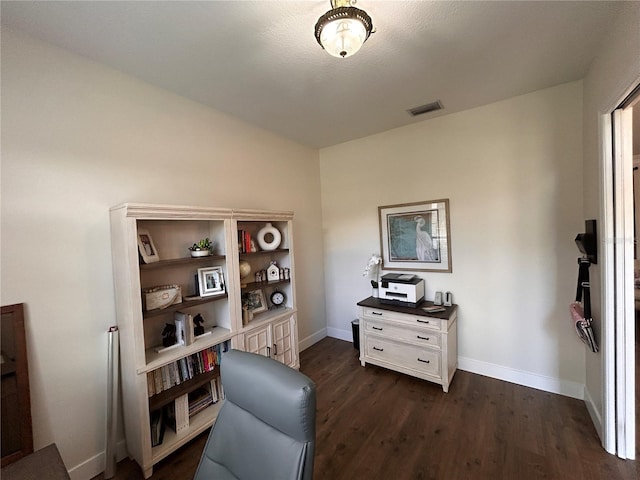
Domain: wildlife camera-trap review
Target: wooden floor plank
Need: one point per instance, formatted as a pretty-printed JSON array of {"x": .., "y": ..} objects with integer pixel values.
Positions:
[{"x": 373, "y": 423}]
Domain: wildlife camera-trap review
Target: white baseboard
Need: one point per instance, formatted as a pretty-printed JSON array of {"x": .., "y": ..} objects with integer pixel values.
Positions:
[
  {"x": 520, "y": 377},
  {"x": 596, "y": 418},
  {"x": 312, "y": 339},
  {"x": 340, "y": 334},
  {"x": 95, "y": 465}
]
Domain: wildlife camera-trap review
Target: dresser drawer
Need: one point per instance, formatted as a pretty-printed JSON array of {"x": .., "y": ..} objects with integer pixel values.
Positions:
[
  {"x": 402, "y": 333},
  {"x": 423, "y": 360},
  {"x": 406, "y": 319}
]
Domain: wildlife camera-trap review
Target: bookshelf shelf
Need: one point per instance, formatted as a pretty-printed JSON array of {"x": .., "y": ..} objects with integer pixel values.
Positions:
[
  {"x": 269, "y": 316},
  {"x": 263, "y": 252},
  {"x": 166, "y": 397},
  {"x": 183, "y": 305},
  {"x": 178, "y": 262},
  {"x": 198, "y": 424},
  {"x": 157, "y": 360},
  {"x": 254, "y": 285}
]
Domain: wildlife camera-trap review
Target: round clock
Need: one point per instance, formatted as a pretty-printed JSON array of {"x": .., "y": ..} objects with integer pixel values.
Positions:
[{"x": 278, "y": 298}]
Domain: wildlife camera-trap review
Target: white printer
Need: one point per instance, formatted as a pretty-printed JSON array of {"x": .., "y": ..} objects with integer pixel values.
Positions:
[{"x": 403, "y": 289}]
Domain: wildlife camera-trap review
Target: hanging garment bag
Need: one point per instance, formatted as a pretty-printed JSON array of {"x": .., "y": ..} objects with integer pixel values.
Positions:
[{"x": 581, "y": 308}]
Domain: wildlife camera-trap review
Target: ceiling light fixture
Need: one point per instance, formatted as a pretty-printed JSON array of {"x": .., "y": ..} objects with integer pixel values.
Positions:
[{"x": 343, "y": 29}]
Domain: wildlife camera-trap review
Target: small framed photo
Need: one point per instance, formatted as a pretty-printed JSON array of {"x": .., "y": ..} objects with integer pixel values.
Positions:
[
  {"x": 146, "y": 247},
  {"x": 255, "y": 301},
  {"x": 210, "y": 281},
  {"x": 416, "y": 236}
]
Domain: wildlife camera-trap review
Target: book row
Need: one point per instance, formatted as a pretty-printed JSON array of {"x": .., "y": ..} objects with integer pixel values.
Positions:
[
  {"x": 185, "y": 368},
  {"x": 245, "y": 241}
]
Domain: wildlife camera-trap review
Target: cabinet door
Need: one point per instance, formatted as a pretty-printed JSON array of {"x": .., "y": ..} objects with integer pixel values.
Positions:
[
  {"x": 258, "y": 341},
  {"x": 282, "y": 342}
]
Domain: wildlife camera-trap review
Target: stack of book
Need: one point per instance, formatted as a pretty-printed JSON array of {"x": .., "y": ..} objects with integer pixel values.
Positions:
[
  {"x": 244, "y": 241},
  {"x": 176, "y": 415},
  {"x": 202, "y": 397},
  {"x": 199, "y": 399}
]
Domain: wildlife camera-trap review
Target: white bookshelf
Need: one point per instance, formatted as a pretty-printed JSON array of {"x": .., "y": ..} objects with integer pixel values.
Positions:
[{"x": 173, "y": 229}]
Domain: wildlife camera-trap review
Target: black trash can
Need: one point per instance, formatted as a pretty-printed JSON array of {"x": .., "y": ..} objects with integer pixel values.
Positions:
[{"x": 355, "y": 328}]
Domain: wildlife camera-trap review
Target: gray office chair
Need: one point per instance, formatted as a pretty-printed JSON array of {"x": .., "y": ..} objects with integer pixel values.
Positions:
[{"x": 266, "y": 428}]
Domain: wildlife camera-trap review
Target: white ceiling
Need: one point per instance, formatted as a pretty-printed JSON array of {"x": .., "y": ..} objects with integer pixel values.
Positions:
[{"x": 259, "y": 60}]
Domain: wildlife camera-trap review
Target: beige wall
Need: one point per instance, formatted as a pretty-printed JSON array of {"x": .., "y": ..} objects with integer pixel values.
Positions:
[
  {"x": 78, "y": 138},
  {"x": 513, "y": 173}
]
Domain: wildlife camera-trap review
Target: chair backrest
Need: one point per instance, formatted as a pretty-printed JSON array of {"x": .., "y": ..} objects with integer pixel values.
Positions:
[{"x": 266, "y": 428}]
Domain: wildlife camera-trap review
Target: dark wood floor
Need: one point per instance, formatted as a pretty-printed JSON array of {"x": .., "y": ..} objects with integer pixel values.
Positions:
[{"x": 376, "y": 424}]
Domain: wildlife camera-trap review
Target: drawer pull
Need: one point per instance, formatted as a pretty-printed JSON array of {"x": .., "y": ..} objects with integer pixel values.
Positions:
[
  {"x": 421, "y": 337},
  {"x": 376, "y": 313},
  {"x": 423, "y": 321},
  {"x": 376, "y": 328},
  {"x": 378, "y": 349},
  {"x": 423, "y": 361}
]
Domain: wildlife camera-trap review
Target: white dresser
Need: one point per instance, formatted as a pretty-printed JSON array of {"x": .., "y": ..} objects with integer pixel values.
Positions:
[{"x": 409, "y": 340}]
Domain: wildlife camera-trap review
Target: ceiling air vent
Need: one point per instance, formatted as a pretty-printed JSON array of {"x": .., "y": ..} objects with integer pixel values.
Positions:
[{"x": 422, "y": 109}]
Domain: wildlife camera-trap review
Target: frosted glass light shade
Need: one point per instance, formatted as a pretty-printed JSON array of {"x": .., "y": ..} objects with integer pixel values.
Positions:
[
  {"x": 343, "y": 37},
  {"x": 342, "y": 30}
]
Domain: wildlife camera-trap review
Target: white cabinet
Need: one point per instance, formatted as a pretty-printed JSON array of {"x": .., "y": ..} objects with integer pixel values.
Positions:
[
  {"x": 165, "y": 387},
  {"x": 275, "y": 339},
  {"x": 409, "y": 340},
  {"x": 258, "y": 340},
  {"x": 283, "y": 337}
]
